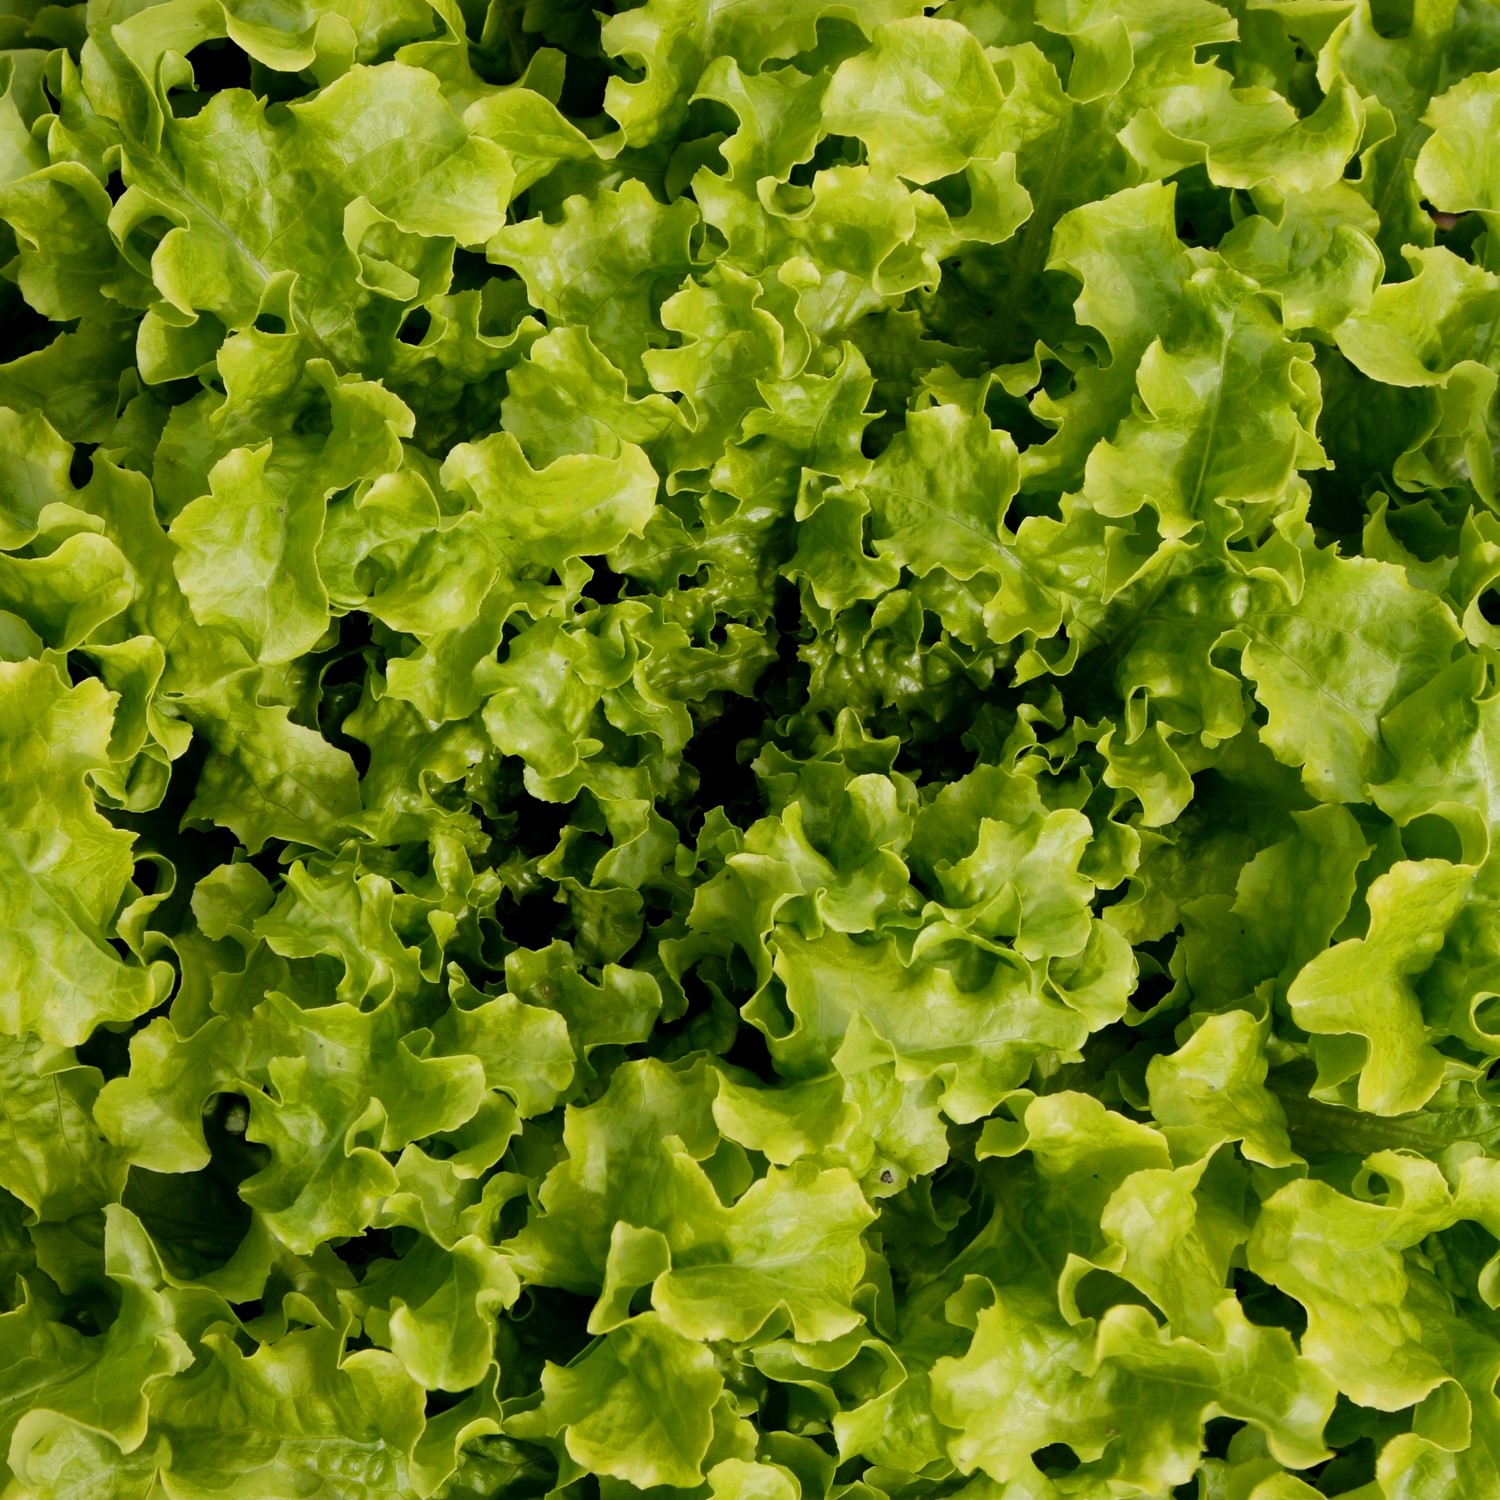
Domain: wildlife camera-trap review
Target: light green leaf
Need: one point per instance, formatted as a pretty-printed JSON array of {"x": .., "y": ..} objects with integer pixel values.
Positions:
[
  {"x": 1363, "y": 987},
  {"x": 792, "y": 1242},
  {"x": 266, "y": 776},
  {"x": 603, "y": 265},
  {"x": 637, "y": 1406},
  {"x": 1213, "y": 1089},
  {"x": 1455, "y": 167},
  {"x": 1330, "y": 667},
  {"x": 923, "y": 98},
  {"x": 65, "y": 866}
]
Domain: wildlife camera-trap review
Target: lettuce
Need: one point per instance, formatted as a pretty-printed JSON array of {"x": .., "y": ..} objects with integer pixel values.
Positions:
[{"x": 749, "y": 750}]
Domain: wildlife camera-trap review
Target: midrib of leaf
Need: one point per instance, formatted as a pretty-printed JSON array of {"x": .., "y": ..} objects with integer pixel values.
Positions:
[
  {"x": 1036, "y": 237},
  {"x": 1215, "y": 411},
  {"x": 1335, "y": 1127}
]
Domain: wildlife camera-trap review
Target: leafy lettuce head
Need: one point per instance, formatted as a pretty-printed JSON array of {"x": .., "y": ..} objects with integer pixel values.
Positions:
[{"x": 749, "y": 751}]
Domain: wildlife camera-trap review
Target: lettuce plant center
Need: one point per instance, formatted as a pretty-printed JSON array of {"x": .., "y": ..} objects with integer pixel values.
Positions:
[{"x": 749, "y": 750}]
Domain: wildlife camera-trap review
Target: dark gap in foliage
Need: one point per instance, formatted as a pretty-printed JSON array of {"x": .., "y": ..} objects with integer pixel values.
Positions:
[
  {"x": 337, "y": 704},
  {"x": 786, "y": 616},
  {"x": 373, "y": 1244},
  {"x": 1202, "y": 208},
  {"x": 876, "y": 438},
  {"x": 538, "y": 824},
  {"x": 831, "y": 151},
  {"x": 851, "y": 1470},
  {"x": 1103, "y": 1052},
  {"x": 475, "y": 13},
  {"x": 23, "y": 330},
  {"x": 1365, "y": 427},
  {"x": 934, "y": 749},
  {"x": 181, "y": 787},
  {"x": 81, "y": 667},
  {"x": 268, "y": 322},
  {"x": 108, "y": 1049},
  {"x": 440, "y": 1401},
  {"x": 114, "y": 185},
  {"x": 270, "y": 861},
  {"x": 1267, "y": 1305},
  {"x": 85, "y": 1317},
  {"x": 584, "y": 82},
  {"x": 226, "y": 1118},
  {"x": 1097, "y": 1291},
  {"x": 535, "y": 919},
  {"x": 248, "y": 1312},
  {"x": 219, "y": 64},
  {"x": 707, "y": 1023},
  {"x": 772, "y": 1002},
  {"x": 750, "y": 1051},
  {"x": 604, "y": 584},
  {"x": 1151, "y": 990},
  {"x": 1430, "y": 527},
  {"x": 1107, "y": 896},
  {"x": 194, "y": 850},
  {"x": 276, "y": 88},
  {"x": 356, "y": 632},
  {"x": 511, "y": 1219},
  {"x": 1458, "y": 232},
  {"x": 499, "y": 45},
  {"x": 774, "y": 1408},
  {"x": 786, "y": 687},
  {"x": 1013, "y": 414},
  {"x": 717, "y": 756},
  {"x": 954, "y": 193},
  {"x": 1160, "y": 950},
  {"x": 1055, "y": 1458},
  {"x": 81, "y": 465},
  {"x": 1217, "y": 1433},
  {"x": 658, "y": 902},
  {"x": 697, "y": 990},
  {"x": 471, "y": 270},
  {"x": 341, "y": 680},
  {"x": 493, "y": 948},
  {"x": 341, "y": 684},
  {"x": 414, "y": 327}
]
